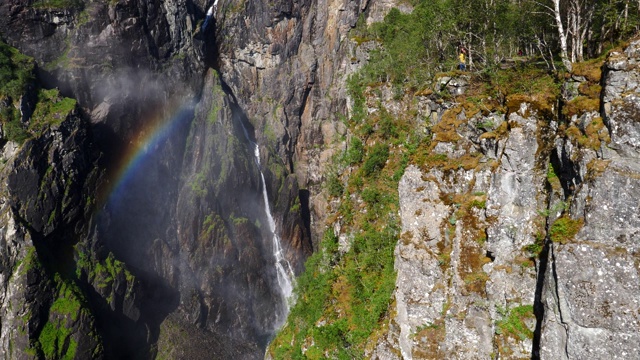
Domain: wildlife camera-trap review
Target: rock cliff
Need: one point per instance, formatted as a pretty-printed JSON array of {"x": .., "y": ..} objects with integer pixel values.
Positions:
[
  {"x": 517, "y": 220},
  {"x": 525, "y": 248},
  {"x": 188, "y": 219}
]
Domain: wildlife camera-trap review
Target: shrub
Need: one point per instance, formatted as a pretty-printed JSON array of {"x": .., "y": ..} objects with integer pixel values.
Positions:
[
  {"x": 16, "y": 72},
  {"x": 355, "y": 152},
  {"x": 376, "y": 159}
]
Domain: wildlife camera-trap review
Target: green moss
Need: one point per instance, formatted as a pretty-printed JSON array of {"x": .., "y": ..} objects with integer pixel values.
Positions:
[
  {"x": 83, "y": 18},
  {"x": 56, "y": 342},
  {"x": 55, "y": 339},
  {"x": 67, "y": 303},
  {"x": 104, "y": 272},
  {"x": 198, "y": 185},
  {"x": 51, "y": 110},
  {"x": 213, "y": 114},
  {"x": 564, "y": 229},
  {"x": 58, "y": 4},
  {"x": 551, "y": 174},
  {"x": 581, "y": 105},
  {"x": 269, "y": 133},
  {"x": 238, "y": 220},
  {"x": 217, "y": 101},
  {"x": 513, "y": 323},
  {"x": 52, "y": 217},
  {"x": 210, "y": 223},
  {"x": 295, "y": 208},
  {"x": 30, "y": 261},
  {"x": 534, "y": 249},
  {"x": 593, "y": 136},
  {"x": 63, "y": 60}
]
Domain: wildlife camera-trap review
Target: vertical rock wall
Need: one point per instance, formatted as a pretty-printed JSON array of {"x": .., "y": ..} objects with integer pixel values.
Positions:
[
  {"x": 528, "y": 247},
  {"x": 592, "y": 283}
]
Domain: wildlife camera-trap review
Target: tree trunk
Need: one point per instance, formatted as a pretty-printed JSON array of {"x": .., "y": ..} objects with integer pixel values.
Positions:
[{"x": 563, "y": 37}]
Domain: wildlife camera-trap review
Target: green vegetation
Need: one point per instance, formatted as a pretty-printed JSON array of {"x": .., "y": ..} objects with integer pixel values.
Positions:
[
  {"x": 355, "y": 152},
  {"x": 564, "y": 229},
  {"x": 348, "y": 301},
  {"x": 16, "y": 73},
  {"x": 17, "y": 79},
  {"x": 376, "y": 159},
  {"x": 536, "y": 248},
  {"x": 334, "y": 186},
  {"x": 218, "y": 93},
  {"x": 109, "y": 270},
  {"x": 199, "y": 184},
  {"x": 58, "y": 4},
  {"x": 513, "y": 323},
  {"x": 50, "y": 110},
  {"x": 343, "y": 297},
  {"x": 102, "y": 272},
  {"x": 30, "y": 261},
  {"x": 239, "y": 220},
  {"x": 52, "y": 341},
  {"x": 213, "y": 114},
  {"x": 56, "y": 337}
]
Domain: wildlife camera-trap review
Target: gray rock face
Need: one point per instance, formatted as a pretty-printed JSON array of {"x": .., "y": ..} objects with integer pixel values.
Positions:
[
  {"x": 590, "y": 291},
  {"x": 287, "y": 65},
  {"x": 466, "y": 273},
  {"x": 462, "y": 269},
  {"x": 621, "y": 101}
]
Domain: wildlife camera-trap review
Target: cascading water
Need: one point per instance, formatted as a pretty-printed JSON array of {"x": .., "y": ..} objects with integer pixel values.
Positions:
[
  {"x": 211, "y": 13},
  {"x": 284, "y": 272}
]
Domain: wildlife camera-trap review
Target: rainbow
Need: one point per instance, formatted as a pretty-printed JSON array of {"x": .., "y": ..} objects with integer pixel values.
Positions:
[{"x": 153, "y": 133}]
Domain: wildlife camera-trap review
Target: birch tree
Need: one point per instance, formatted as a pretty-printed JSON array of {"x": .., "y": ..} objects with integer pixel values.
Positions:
[{"x": 562, "y": 35}]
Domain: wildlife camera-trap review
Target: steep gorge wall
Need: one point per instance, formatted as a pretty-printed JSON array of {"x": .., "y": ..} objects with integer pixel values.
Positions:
[
  {"x": 188, "y": 223},
  {"x": 287, "y": 64},
  {"x": 192, "y": 245}
]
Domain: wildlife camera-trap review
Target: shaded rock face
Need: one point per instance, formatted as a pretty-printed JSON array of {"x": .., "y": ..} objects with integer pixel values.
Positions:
[
  {"x": 45, "y": 200},
  {"x": 287, "y": 63},
  {"x": 119, "y": 59},
  {"x": 184, "y": 236}
]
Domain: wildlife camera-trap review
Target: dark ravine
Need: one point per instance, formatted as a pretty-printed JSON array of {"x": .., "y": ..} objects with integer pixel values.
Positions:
[
  {"x": 169, "y": 257},
  {"x": 187, "y": 256}
]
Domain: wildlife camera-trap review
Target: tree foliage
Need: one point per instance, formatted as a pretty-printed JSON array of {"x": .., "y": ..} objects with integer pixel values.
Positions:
[{"x": 427, "y": 39}]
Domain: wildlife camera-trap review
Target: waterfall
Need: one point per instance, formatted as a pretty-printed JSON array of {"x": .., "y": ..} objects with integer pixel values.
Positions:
[
  {"x": 284, "y": 272},
  {"x": 211, "y": 13}
]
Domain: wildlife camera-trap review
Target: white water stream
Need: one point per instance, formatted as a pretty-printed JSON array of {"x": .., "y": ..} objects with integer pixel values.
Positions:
[{"x": 284, "y": 272}]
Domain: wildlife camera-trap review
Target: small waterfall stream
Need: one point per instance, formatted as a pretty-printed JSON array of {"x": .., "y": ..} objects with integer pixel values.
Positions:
[{"x": 284, "y": 272}]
